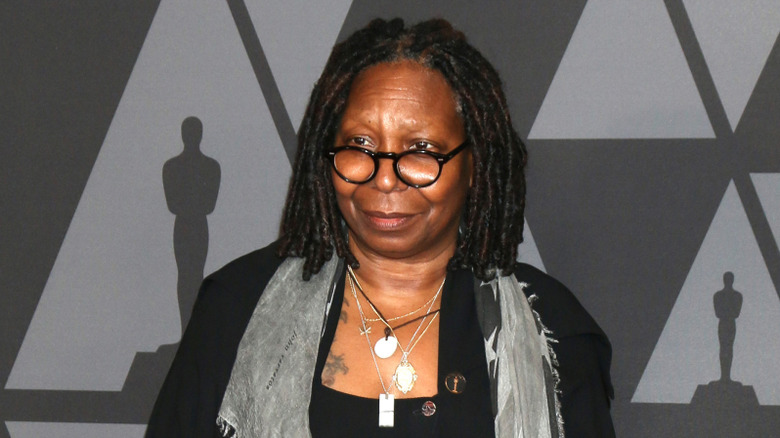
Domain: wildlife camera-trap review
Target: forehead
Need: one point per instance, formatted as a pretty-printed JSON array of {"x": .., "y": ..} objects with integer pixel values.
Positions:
[{"x": 404, "y": 84}]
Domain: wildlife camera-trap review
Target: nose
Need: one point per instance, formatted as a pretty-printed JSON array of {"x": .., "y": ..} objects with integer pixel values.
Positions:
[{"x": 385, "y": 179}]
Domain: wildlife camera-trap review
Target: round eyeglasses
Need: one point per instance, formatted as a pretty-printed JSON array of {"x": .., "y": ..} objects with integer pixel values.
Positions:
[{"x": 416, "y": 168}]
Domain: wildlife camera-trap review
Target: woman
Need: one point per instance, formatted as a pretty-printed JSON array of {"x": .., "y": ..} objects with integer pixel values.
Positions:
[{"x": 421, "y": 323}]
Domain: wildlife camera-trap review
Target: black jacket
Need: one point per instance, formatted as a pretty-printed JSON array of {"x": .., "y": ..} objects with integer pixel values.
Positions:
[{"x": 192, "y": 393}]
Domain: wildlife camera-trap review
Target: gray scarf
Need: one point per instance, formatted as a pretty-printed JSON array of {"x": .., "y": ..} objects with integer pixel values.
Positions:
[{"x": 270, "y": 385}]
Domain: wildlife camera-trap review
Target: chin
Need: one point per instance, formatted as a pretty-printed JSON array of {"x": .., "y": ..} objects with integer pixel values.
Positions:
[
  {"x": 402, "y": 245},
  {"x": 389, "y": 247}
]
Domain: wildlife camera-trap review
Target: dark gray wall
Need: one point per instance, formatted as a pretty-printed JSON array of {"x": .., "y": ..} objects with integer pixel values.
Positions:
[{"x": 655, "y": 168}]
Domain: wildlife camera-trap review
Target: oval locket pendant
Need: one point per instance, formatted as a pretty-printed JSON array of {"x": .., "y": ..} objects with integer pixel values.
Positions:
[
  {"x": 404, "y": 376},
  {"x": 385, "y": 346}
]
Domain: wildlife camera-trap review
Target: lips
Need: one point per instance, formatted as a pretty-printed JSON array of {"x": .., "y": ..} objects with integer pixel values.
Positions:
[{"x": 387, "y": 220}]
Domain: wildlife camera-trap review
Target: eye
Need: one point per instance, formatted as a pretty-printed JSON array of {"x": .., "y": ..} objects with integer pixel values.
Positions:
[
  {"x": 358, "y": 141},
  {"x": 421, "y": 145}
]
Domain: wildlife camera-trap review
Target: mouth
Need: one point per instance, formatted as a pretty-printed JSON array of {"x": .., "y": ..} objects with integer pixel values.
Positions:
[{"x": 387, "y": 220}]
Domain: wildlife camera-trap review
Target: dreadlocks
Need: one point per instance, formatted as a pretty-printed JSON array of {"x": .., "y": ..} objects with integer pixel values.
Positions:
[{"x": 492, "y": 223}]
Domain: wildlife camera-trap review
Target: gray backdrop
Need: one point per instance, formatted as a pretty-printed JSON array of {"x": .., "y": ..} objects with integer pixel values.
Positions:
[{"x": 654, "y": 136}]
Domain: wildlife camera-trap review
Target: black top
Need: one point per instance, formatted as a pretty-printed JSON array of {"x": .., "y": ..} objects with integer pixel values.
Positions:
[
  {"x": 192, "y": 393},
  {"x": 461, "y": 350}
]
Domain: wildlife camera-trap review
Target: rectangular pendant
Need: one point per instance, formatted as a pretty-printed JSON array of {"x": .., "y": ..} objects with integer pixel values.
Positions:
[{"x": 386, "y": 410}]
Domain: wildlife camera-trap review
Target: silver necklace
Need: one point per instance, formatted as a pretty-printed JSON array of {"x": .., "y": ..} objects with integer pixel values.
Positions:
[
  {"x": 396, "y": 318},
  {"x": 386, "y": 400},
  {"x": 405, "y": 375},
  {"x": 385, "y": 347}
]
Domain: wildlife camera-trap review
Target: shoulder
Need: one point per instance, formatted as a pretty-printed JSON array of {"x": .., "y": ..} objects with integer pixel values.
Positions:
[
  {"x": 558, "y": 308},
  {"x": 190, "y": 397},
  {"x": 226, "y": 302},
  {"x": 583, "y": 352}
]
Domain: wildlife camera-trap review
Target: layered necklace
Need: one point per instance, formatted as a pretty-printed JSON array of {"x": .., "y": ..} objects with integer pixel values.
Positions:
[{"x": 405, "y": 375}]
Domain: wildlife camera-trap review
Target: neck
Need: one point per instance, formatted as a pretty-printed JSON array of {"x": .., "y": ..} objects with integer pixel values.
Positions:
[{"x": 401, "y": 278}]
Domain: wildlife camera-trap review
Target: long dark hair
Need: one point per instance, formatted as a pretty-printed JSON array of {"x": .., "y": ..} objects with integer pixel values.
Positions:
[{"x": 492, "y": 223}]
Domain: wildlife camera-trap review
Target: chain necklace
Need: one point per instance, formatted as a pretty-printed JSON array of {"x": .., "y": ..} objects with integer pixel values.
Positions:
[
  {"x": 385, "y": 347},
  {"x": 396, "y": 318},
  {"x": 386, "y": 400},
  {"x": 405, "y": 374}
]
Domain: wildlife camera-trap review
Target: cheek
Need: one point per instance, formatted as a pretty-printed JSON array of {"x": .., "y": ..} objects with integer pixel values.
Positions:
[
  {"x": 450, "y": 196},
  {"x": 453, "y": 185}
]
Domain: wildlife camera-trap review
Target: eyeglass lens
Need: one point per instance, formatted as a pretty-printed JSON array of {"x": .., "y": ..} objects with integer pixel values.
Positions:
[
  {"x": 354, "y": 165},
  {"x": 418, "y": 169}
]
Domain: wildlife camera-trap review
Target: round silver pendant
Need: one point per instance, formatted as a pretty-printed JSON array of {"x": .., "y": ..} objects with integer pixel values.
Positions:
[
  {"x": 404, "y": 377},
  {"x": 385, "y": 347}
]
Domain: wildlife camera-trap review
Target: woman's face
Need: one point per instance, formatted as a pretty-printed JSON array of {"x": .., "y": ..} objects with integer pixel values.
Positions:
[{"x": 392, "y": 108}]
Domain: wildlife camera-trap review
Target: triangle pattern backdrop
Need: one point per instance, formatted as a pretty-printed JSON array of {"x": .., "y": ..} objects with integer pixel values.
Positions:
[
  {"x": 113, "y": 289},
  {"x": 623, "y": 75},
  {"x": 768, "y": 186},
  {"x": 736, "y": 39},
  {"x": 692, "y": 327},
  {"x": 281, "y": 25}
]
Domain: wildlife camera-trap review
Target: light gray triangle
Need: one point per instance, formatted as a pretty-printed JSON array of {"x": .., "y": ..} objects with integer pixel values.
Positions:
[
  {"x": 768, "y": 189},
  {"x": 736, "y": 39},
  {"x": 113, "y": 289},
  {"x": 297, "y": 37},
  {"x": 687, "y": 353},
  {"x": 528, "y": 252},
  {"x": 24, "y": 429},
  {"x": 623, "y": 75}
]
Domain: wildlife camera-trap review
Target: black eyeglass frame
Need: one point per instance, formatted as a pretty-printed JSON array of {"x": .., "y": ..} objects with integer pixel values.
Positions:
[{"x": 376, "y": 156}]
